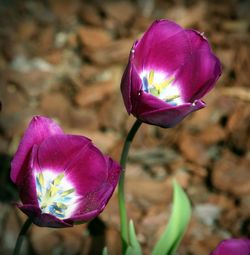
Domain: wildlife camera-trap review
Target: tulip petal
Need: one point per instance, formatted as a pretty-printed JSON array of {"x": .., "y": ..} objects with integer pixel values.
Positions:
[
  {"x": 43, "y": 219},
  {"x": 114, "y": 171},
  {"x": 162, "y": 47},
  {"x": 126, "y": 87},
  {"x": 26, "y": 181},
  {"x": 57, "y": 151},
  {"x": 145, "y": 102},
  {"x": 88, "y": 170},
  {"x": 130, "y": 84},
  {"x": 201, "y": 69},
  {"x": 170, "y": 116},
  {"x": 93, "y": 203},
  {"x": 84, "y": 217},
  {"x": 82, "y": 163},
  {"x": 233, "y": 247},
  {"x": 39, "y": 129}
]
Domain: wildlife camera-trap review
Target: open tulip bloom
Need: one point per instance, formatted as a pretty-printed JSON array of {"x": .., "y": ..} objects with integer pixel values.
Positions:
[
  {"x": 62, "y": 179},
  {"x": 169, "y": 70}
]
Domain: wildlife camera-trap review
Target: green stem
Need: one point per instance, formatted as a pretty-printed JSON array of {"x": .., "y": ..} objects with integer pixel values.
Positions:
[
  {"x": 21, "y": 236},
  {"x": 121, "y": 194}
]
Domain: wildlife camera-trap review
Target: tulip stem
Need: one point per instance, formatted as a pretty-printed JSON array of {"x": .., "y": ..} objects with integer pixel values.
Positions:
[
  {"x": 121, "y": 194},
  {"x": 21, "y": 236}
]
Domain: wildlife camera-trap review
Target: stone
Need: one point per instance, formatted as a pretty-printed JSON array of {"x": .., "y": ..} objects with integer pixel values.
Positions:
[
  {"x": 83, "y": 118},
  {"x": 8, "y": 92},
  {"x": 213, "y": 134},
  {"x": 193, "y": 150},
  {"x": 245, "y": 205},
  {"x": 112, "y": 112},
  {"x": 24, "y": 65},
  {"x": 121, "y": 11},
  {"x": 103, "y": 140},
  {"x": 89, "y": 14},
  {"x": 10, "y": 226},
  {"x": 68, "y": 241},
  {"x": 145, "y": 191},
  {"x": 93, "y": 38},
  {"x": 197, "y": 191},
  {"x": 65, "y": 11},
  {"x": 89, "y": 72},
  {"x": 95, "y": 93},
  {"x": 188, "y": 17},
  {"x": 45, "y": 39},
  {"x": 231, "y": 174},
  {"x": 208, "y": 116},
  {"x": 112, "y": 53},
  {"x": 239, "y": 123},
  {"x": 27, "y": 29},
  {"x": 223, "y": 201},
  {"x": 196, "y": 169},
  {"x": 14, "y": 112},
  {"x": 54, "y": 57},
  {"x": 56, "y": 105},
  {"x": 207, "y": 213},
  {"x": 32, "y": 76}
]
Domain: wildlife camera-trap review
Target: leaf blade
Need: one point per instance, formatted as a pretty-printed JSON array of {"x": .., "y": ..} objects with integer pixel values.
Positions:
[
  {"x": 134, "y": 247},
  {"x": 175, "y": 229},
  {"x": 105, "y": 251}
]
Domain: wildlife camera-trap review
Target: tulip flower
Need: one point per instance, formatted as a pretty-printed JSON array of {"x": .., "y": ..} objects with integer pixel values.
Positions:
[
  {"x": 233, "y": 247},
  {"x": 62, "y": 179},
  {"x": 169, "y": 70}
]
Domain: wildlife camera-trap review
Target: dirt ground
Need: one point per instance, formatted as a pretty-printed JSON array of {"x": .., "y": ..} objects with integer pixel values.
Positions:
[{"x": 64, "y": 59}]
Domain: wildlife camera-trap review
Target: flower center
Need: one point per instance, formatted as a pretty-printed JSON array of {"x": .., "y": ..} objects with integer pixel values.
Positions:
[
  {"x": 161, "y": 86},
  {"x": 55, "y": 194}
]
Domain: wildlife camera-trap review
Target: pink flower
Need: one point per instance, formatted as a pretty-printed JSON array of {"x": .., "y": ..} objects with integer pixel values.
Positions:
[
  {"x": 61, "y": 178},
  {"x": 169, "y": 70},
  {"x": 233, "y": 247}
]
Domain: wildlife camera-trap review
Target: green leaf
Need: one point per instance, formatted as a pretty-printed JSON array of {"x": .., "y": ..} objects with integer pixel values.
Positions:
[
  {"x": 134, "y": 247},
  {"x": 105, "y": 251},
  {"x": 179, "y": 219}
]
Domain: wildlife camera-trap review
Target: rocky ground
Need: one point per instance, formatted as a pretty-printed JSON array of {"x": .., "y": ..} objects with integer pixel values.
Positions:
[{"x": 64, "y": 59}]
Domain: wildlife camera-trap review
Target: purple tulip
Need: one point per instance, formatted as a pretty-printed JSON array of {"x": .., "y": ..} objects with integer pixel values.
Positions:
[
  {"x": 62, "y": 179},
  {"x": 169, "y": 70},
  {"x": 233, "y": 247}
]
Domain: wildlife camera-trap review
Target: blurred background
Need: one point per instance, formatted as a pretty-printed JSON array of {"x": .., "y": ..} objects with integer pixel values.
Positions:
[{"x": 64, "y": 59}]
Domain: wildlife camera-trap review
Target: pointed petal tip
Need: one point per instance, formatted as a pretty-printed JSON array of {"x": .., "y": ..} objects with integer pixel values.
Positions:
[
  {"x": 39, "y": 129},
  {"x": 198, "y": 104}
]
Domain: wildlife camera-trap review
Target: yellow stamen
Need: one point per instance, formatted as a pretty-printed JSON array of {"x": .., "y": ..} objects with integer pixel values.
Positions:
[
  {"x": 58, "y": 179},
  {"x": 67, "y": 192},
  {"x": 44, "y": 205},
  {"x": 53, "y": 189},
  {"x": 61, "y": 205},
  {"x": 151, "y": 77},
  {"x": 41, "y": 179},
  {"x": 166, "y": 83},
  {"x": 170, "y": 98}
]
